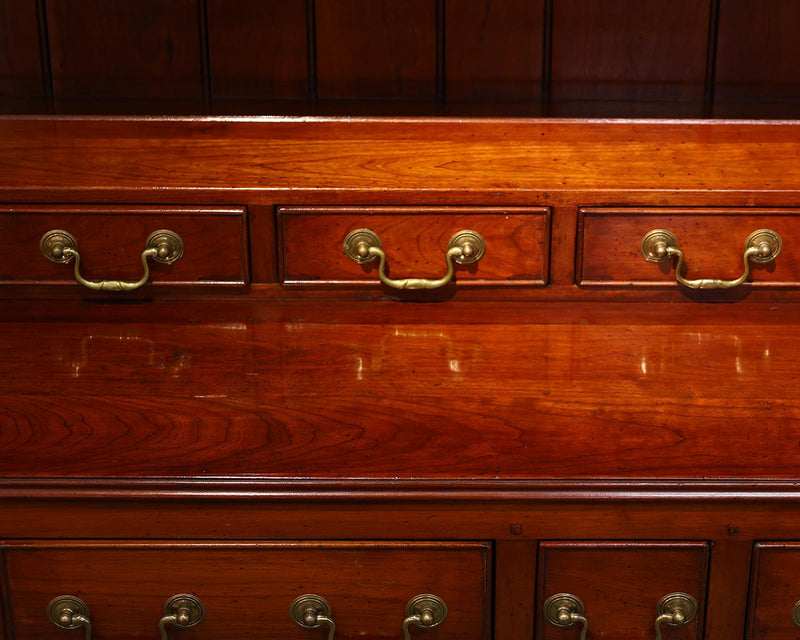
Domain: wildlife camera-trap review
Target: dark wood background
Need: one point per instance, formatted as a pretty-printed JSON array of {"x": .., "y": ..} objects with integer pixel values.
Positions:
[{"x": 537, "y": 57}]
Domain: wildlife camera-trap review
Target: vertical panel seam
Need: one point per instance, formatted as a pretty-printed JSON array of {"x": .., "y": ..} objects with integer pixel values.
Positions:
[
  {"x": 711, "y": 53},
  {"x": 205, "y": 55},
  {"x": 311, "y": 50},
  {"x": 441, "y": 52},
  {"x": 44, "y": 52},
  {"x": 547, "y": 55}
]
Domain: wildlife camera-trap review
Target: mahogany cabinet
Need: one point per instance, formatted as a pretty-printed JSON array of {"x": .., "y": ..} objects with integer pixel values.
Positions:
[
  {"x": 394, "y": 352},
  {"x": 530, "y": 431}
]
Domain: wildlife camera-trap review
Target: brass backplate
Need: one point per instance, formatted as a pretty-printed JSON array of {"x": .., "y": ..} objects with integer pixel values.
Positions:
[
  {"x": 358, "y": 242},
  {"x": 190, "y": 604},
  {"x": 72, "y": 606},
  {"x": 471, "y": 239},
  {"x": 299, "y": 609},
  {"x": 560, "y": 602},
  {"x": 796, "y": 614},
  {"x": 764, "y": 238},
  {"x": 423, "y": 602},
  {"x": 54, "y": 242},
  {"x": 674, "y": 601},
  {"x": 168, "y": 243},
  {"x": 655, "y": 244}
]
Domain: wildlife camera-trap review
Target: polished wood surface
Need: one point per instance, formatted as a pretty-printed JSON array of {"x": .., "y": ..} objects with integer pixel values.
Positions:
[
  {"x": 494, "y": 50},
  {"x": 529, "y": 162},
  {"x": 258, "y": 50},
  {"x": 758, "y": 51},
  {"x": 660, "y": 56},
  {"x": 20, "y": 62},
  {"x": 390, "y": 51},
  {"x": 134, "y": 49},
  {"x": 299, "y": 399}
]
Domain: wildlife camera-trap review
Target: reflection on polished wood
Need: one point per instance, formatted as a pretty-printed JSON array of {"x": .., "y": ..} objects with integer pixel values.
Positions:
[{"x": 329, "y": 400}]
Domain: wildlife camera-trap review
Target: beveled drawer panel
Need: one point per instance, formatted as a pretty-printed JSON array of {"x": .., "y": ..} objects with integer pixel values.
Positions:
[
  {"x": 415, "y": 241},
  {"x": 712, "y": 240},
  {"x": 111, "y": 240},
  {"x": 247, "y": 588},
  {"x": 620, "y": 585},
  {"x": 775, "y": 591}
]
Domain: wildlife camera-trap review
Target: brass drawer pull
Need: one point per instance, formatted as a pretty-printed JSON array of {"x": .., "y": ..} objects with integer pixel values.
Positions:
[
  {"x": 424, "y": 610},
  {"x": 163, "y": 246},
  {"x": 364, "y": 245},
  {"x": 675, "y": 609},
  {"x": 69, "y": 612},
  {"x": 564, "y": 610},
  {"x": 183, "y": 610},
  {"x": 660, "y": 245},
  {"x": 311, "y": 611}
]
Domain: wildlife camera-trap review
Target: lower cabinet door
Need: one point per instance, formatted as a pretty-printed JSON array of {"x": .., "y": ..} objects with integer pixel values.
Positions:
[
  {"x": 296, "y": 591},
  {"x": 621, "y": 590},
  {"x": 775, "y": 592}
]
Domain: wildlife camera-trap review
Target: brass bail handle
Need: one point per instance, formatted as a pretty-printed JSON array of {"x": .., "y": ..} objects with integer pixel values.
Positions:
[
  {"x": 425, "y": 611},
  {"x": 465, "y": 247},
  {"x": 675, "y": 609},
  {"x": 163, "y": 246},
  {"x": 70, "y": 612},
  {"x": 761, "y": 246},
  {"x": 182, "y": 610},
  {"x": 311, "y": 611},
  {"x": 563, "y": 610}
]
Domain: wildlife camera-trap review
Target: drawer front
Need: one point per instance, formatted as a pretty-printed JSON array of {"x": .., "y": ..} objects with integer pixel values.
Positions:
[
  {"x": 712, "y": 240},
  {"x": 775, "y": 592},
  {"x": 415, "y": 241},
  {"x": 247, "y": 589},
  {"x": 110, "y": 241},
  {"x": 620, "y": 586}
]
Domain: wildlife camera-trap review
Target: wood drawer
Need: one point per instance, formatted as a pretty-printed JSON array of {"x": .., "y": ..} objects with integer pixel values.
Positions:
[
  {"x": 111, "y": 240},
  {"x": 415, "y": 241},
  {"x": 247, "y": 588},
  {"x": 620, "y": 585},
  {"x": 713, "y": 241},
  {"x": 775, "y": 590}
]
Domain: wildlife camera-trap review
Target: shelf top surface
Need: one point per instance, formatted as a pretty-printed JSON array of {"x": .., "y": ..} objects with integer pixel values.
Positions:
[{"x": 290, "y": 392}]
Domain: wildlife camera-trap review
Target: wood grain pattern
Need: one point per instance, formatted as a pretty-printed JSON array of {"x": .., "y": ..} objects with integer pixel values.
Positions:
[
  {"x": 620, "y": 584},
  {"x": 181, "y": 158},
  {"x": 415, "y": 241},
  {"x": 516, "y": 401},
  {"x": 367, "y": 585},
  {"x": 712, "y": 240},
  {"x": 111, "y": 240},
  {"x": 494, "y": 50},
  {"x": 758, "y": 51},
  {"x": 20, "y": 60},
  {"x": 137, "y": 49},
  {"x": 376, "y": 49},
  {"x": 258, "y": 50},
  {"x": 629, "y": 50}
]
